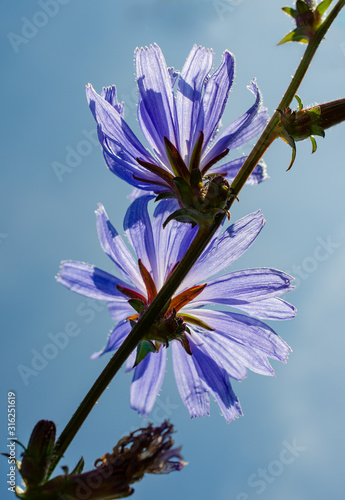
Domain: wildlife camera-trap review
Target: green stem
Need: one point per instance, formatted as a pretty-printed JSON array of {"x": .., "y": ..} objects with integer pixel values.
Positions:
[
  {"x": 199, "y": 243},
  {"x": 268, "y": 135}
]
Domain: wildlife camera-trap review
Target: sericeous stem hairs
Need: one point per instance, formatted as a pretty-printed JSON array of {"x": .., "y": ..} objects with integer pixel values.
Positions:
[{"x": 199, "y": 243}]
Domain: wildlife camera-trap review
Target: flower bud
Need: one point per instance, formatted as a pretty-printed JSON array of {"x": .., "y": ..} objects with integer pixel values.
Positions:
[
  {"x": 38, "y": 454},
  {"x": 305, "y": 123},
  {"x": 147, "y": 450},
  {"x": 308, "y": 18}
]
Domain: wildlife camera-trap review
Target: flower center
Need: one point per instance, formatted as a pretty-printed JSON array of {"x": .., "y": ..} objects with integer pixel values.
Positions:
[
  {"x": 168, "y": 325},
  {"x": 191, "y": 185}
]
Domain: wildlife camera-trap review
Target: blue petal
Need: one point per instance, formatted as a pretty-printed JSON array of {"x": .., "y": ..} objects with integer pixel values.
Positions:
[
  {"x": 130, "y": 361},
  {"x": 238, "y": 355},
  {"x": 110, "y": 95},
  {"x": 124, "y": 165},
  {"x": 194, "y": 395},
  {"x": 114, "y": 246},
  {"x": 90, "y": 281},
  {"x": 216, "y": 381},
  {"x": 220, "y": 353},
  {"x": 147, "y": 381},
  {"x": 138, "y": 229},
  {"x": 189, "y": 97},
  {"x": 115, "y": 339},
  {"x": 231, "y": 169},
  {"x": 251, "y": 130},
  {"x": 119, "y": 313},
  {"x": 172, "y": 242},
  {"x": 216, "y": 94},
  {"x": 114, "y": 126},
  {"x": 275, "y": 309},
  {"x": 246, "y": 331},
  {"x": 225, "y": 249},
  {"x": 156, "y": 110},
  {"x": 239, "y": 131},
  {"x": 240, "y": 287}
]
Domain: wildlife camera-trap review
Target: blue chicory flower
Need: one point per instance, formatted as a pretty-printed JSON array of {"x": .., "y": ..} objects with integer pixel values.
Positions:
[
  {"x": 179, "y": 125},
  {"x": 222, "y": 343}
]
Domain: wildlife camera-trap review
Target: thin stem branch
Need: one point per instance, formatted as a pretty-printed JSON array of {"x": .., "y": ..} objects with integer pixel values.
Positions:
[
  {"x": 199, "y": 243},
  {"x": 268, "y": 135}
]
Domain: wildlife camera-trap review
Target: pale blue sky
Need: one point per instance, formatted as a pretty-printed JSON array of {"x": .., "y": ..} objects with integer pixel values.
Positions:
[{"x": 45, "y": 117}]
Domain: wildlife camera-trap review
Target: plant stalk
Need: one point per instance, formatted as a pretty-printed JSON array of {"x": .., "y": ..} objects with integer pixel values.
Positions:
[{"x": 197, "y": 246}]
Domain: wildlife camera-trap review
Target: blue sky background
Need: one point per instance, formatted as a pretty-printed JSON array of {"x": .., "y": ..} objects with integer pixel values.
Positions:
[{"x": 46, "y": 219}]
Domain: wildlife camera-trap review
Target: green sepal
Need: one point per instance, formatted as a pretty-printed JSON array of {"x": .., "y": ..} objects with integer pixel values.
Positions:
[
  {"x": 302, "y": 7},
  {"x": 314, "y": 145},
  {"x": 297, "y": 35},
  {"x": 292, "y": 144},
  {"x": 196, "y": 321},
  {"x": 194, "y": 217},
  {"x": 185, "y": 344},
  {"x": 164, "y": 195},
  {"x": 185, "y": 191},
  {"x": 317, "y": 130},
  {"x": 196, "y": 153},
  {"x": 78, "y": 469},
  {"x": 291, "y": 12},
  {"x": 323, "y": 6},
  {"x": 143, "y": 349},
  {"x": 300, "y": 103},
  {"x": 196, "y": 179},
  {"x": 177, "y": 164},
  {"x": 183, "y": 215},
  {"x": 137, "y": 305}
]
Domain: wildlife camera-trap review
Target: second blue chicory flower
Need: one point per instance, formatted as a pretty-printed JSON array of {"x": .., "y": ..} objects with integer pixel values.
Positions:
[{"x": 212, "y": 345}]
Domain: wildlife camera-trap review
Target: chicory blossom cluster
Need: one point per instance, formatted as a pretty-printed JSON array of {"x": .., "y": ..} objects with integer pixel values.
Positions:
[
  {"x": 179, "y": 115},
  {"x": 208, "y": 346}
]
